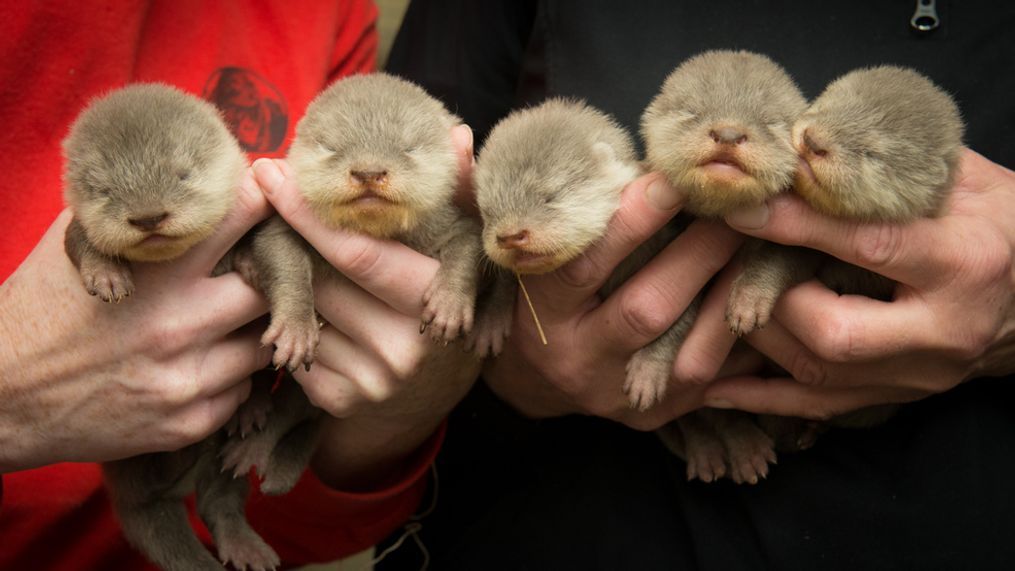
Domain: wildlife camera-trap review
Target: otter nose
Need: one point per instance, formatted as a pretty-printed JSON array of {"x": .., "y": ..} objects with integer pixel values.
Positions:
[
  {"x": 728, "y": 135},
  {"x": 367, "y": 177},
  {"x": 512, "y": 241},
  {"x": 814, "y": 147},
  {"x": 148, "y": 223}
]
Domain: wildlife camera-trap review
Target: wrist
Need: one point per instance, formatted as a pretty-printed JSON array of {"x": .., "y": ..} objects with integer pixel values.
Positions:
[{"x": 367, "y": 454}]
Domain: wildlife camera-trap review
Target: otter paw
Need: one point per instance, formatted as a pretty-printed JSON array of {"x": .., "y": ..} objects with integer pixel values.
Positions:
[
  {"x": 252, "y": 415},
  {"x": 110, "y": 282},
  {"x": 750, "y": 453},
  {"x": 447, "y": 313},
  {"x": 295, "y": 341},
  {"x": 246, "y": 550},
  {"x": 646, "y": 381},
  {"x": 706, "y": 458},
  {"x": 280, "y": 477},
  {"x": 487, "y": 337},
  {"x": 749, "y": 308},
  {"x": 239, "y": 455}
]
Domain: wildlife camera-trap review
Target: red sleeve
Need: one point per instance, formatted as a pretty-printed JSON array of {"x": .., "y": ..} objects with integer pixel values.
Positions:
[
  {"x": 282, "y": 55},
  {"x": 314, "y": 523}
]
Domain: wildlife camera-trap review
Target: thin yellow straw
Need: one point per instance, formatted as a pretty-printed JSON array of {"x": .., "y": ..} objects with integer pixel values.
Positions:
[{"x": 539, "y": 327}]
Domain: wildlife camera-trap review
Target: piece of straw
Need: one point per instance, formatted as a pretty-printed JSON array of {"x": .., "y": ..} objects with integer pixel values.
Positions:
[{"x": 539, "y": 327}]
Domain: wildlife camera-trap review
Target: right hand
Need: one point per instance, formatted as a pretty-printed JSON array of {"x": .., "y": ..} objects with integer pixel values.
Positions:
[
  {"x": 85, "y": 380},
  {"x": 385, "y": 386},
  {"x": 581, "y": 370}
]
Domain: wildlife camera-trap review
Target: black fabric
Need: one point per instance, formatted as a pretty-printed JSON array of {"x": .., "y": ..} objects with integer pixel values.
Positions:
[{"x": 929, "y": 490}]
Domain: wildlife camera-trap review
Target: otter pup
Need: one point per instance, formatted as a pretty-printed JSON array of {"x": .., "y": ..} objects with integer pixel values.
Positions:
[
  {"x": 373, "y": 154},
  {"x": 880, "y": 144},
  {"x": 720, "y": 129},
  {"x": 151, "y": 171},
  {"x": 548, "y": 180}
]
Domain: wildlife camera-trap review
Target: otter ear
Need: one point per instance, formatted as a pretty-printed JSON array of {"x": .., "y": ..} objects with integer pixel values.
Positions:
[{"x": 603, "y": 152}]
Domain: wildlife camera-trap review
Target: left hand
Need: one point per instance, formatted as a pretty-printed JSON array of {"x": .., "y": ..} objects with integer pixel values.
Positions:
[{"x": 952, "y": 317}]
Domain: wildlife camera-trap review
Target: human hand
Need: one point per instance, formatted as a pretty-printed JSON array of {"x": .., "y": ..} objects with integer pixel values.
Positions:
[
  {"x": 582, "y": 369},
  {"x": 91, "y": 381},
  {"x": 387, "y": 386},
  {"x": 952, "y": 318}
]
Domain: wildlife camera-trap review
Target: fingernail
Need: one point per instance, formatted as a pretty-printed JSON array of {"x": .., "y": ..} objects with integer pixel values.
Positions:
[
  {"x": 662, "y": 195},
  {"x": 718, "y": 403},
  {"x": 268, "y": 175},
  {"x": 752, "y": 218},
  {"x": 471, "y": 138}
]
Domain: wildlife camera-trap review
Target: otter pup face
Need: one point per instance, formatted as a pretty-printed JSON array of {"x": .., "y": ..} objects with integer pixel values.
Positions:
[
  {"x": 374, "y": 153},
  {"x": 720, "y": 130},
  {"x": 150, "y": 171},
  {"x": 548, "y": 180},
  {"x": 878, "y": 144}
]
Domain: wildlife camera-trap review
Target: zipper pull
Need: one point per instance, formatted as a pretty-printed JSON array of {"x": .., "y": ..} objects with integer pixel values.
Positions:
[{"x": 925, "y": 17}]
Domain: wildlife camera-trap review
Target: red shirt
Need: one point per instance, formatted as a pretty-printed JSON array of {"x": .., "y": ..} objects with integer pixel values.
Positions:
[{"x": 261, "y": 63}]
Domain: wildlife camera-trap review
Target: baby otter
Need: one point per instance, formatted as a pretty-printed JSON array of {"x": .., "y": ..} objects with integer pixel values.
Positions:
[
  {"x": 880, "y": 144},
  {"x": 150, "y": 172},
  {"x": 548, "y": 180},
  {"x": 373, "y": 154},
  {"x": 720, "y": 129}
]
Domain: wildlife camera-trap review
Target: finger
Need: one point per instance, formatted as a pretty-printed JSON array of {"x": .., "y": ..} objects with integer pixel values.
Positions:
[
  {"x": 365, "y": 370},
  {"x": 376, "y": 327},
  {"x": 709, "y": 341},
  {"x": 233, "y": 358},
  {"x": 344, "y": 377},
  {"x": 654, "y": 298},
  {"x": 784, "y": 397},
  {"x": 223, "y": 304},
  {"x": 390, "y": 270},
  {"x": 203, "y": 417},
  {"x": 677, "y": 402},
  {"x": 465, "y": 197},
  {"x": 842, "y": 329},
  {"x": 914, "y": 254},
  {"x": 646, "y": 204},
  {"x": 249, "y": 208}
]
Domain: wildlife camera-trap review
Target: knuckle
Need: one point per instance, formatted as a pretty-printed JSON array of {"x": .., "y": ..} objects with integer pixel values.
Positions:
[
  {"x": 178, "y": 391},
  {"x": 579, "y": 274},
  {"x": 357, "y": 257},
  {"x": 642, "y": 422},
  {"x": 877, "y": 245},
  {"x": 807, "y": 369},
  {"x": 836, "y": 338},
  {"x": 189, "y": 429},
  {"x": 692, "y": 369},
  {"x": 822, "y": 413},
  {"x": 165, "y": 336},
  {"x": 250, "y": 201},
  {"x": 338, "y": 406},
  {"x": 640, "y": 312},
  {"x": 377, "y": 387}
]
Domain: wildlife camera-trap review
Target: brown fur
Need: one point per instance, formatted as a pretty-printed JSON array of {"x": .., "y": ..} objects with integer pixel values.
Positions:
[
  {"x": 879, "y": 144},
  {"x": 554, "y": 174},
  {"x": 136, "y": 154},
  {"x": 151, "y": 151},
  {"x": 373, "y": 154},
  {"x": 719, "y": 129}
]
